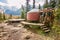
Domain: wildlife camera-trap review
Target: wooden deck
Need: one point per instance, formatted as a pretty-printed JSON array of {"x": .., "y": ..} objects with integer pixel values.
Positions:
[
  {"x": 14, "y": 20},
  {"x": 27, "y": 23}
]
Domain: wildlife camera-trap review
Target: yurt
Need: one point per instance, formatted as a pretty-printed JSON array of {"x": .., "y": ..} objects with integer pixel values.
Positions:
[{"x": 33, "y": 15}]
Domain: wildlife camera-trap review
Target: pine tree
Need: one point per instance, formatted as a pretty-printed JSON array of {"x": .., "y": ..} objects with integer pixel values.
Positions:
[
  {"x": 27, "y": 6},
  {"x": 59, "y": 3},
  {"x": 4, "y": 18},
  {"x": 0, "y": 16},
  {"x": 22, "y": 12},
  {"x": 50, "y": 1},
  {"x": 39, "y": 7},
  {"x": 10, "y": 16},
  {"x": 33, "y": 3},
  {"x": 53, "y": 4},
  {"x": 46, "y": 4}
]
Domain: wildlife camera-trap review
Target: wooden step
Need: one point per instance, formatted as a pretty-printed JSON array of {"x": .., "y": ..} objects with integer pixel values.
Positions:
[
  {"x": 47, "y": 30},
  {"x": 28, "y": 23},
  {"x": 43, "y": 27}
]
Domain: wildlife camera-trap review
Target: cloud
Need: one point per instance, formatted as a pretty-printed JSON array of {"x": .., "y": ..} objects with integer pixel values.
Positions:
[
  {"x": 7, "y": 5},
  {"x": 13, "y": 6},
  {"x": 11, "y": 3},
  {"x": 18, "y": 3},
  {"x": 3, "y": 4},
  {"x": 4, "y": 1}
]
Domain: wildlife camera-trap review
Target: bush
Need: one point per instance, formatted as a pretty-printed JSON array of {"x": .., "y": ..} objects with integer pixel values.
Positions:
[{"x": 58, "y": 14}]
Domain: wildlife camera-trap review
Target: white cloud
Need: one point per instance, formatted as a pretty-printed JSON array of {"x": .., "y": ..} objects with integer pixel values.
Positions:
[
  {"x": 18, "y": 3},
  {"x": 10, "y": 3},
  {"x": 3, "y": 4}
]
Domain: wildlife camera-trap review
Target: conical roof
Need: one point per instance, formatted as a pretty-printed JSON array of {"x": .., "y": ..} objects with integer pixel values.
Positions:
[{"x": 34, "y": 10}]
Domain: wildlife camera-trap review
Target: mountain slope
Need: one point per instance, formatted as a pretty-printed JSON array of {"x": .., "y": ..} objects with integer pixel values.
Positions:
[{"x": 11, "y": 10}]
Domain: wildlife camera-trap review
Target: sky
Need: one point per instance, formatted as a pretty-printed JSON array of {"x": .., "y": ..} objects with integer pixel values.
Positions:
[
  {"x": 13, "y": 6},
  {"x": 18, "y": 3}
]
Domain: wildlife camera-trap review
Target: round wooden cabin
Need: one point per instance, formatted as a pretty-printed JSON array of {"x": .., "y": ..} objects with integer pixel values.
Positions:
[{"x": 33, "y": 15}]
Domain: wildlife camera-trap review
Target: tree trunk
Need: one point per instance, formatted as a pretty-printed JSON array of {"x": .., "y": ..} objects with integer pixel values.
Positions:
[
  {"x": 47, "y": 3},
  {"x": 33, "y": 3},
  {"x": 39, "y": 7},
  {"x": 27, "y": 5}
]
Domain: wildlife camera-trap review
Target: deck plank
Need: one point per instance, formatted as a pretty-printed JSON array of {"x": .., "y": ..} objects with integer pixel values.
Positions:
[{"x": 27, "y": 23}]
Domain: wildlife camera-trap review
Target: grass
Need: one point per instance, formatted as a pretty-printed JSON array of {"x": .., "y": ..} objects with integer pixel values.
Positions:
[{"x": 54, "y": 33}]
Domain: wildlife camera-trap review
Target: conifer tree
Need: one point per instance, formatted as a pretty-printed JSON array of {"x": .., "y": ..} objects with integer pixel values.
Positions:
[
  {"x": 39, "y": 7},
  {"x": 0, "y": 16},
  {"x": 4, "y": 18},
  {"x": 27, "y": 6},
  {"x": 10, "y": 16},
  {"x": 33, "y": 3},
  {"x": 22, "y": 12}
]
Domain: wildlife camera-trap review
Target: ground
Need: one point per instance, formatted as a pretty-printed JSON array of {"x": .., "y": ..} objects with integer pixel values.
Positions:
[{"x": 11, "y": 32}]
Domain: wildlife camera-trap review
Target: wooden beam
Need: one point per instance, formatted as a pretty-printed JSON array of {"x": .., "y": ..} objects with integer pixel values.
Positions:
[
  {"x": 14, "y": 20},
  {"x": 27, "y": 23}
]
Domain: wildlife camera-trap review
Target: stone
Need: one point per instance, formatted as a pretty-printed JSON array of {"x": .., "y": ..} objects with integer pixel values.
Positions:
[{"x": 27, "y": 37}]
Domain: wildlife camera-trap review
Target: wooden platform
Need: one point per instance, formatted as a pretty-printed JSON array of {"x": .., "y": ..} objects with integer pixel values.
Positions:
[
  {"x": 27, "y": 23},
  {"x": 42, "y": 26},
  {"x": 14, "y": 20}
]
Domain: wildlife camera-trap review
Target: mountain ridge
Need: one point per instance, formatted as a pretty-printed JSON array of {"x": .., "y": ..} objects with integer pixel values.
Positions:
[{"x": 12, "y": 10}]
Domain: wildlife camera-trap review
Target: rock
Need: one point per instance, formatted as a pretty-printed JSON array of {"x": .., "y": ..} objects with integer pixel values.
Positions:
[
  {"x": 1, "y": 30},
  {"x": 1, "y": 36},
  {"x": 27, "y": 37}
]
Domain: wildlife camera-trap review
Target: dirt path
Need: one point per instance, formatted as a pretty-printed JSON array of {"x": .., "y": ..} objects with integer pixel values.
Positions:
[{"x": 21, "y": 33}]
